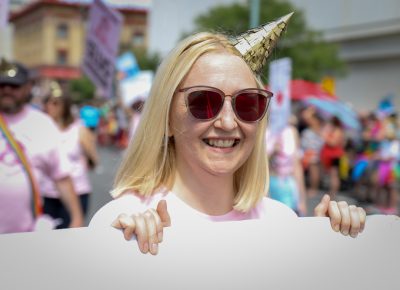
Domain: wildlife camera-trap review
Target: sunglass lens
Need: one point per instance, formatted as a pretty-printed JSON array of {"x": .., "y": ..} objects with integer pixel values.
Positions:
[
  {"x": 204, "y": 104},
  {"x": 250, "y": 107}
]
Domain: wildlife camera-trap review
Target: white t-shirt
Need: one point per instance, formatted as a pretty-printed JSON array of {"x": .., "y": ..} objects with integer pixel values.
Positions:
[{"x": 180, "y": 212}]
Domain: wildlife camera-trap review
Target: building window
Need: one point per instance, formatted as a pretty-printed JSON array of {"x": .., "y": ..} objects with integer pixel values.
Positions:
[
  {"x": 62, "y": 57},
  {"x": 62, "y": 31},
  {"x": 138, "y": 38}
]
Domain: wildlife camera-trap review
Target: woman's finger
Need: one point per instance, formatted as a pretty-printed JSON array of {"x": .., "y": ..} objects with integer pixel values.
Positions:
[
  {"x": 345, "y": 217},
  {"x": 117, "y": 222},
  {"x": 151, "y": 232},
  {"x": 162, "y": 211},
  {"x": 141, "y": 233},
  {"x": 159, "y": 225},
  {"x": 363, "y": 216},
  {"x": 127, "y": 224},
  {"x": 321, "y": 209},
  {"x": 355, "y": 221},
  {"x": 334, "y": 215}
]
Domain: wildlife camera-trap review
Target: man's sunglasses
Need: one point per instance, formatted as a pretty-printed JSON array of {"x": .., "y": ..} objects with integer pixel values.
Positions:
[
  {"x": 13, "y": 86},
  {"x": 205, "y": 103}
]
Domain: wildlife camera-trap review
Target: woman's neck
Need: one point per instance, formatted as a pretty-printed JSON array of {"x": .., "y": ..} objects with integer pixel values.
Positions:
[
  {"x": 212, "y": 195},
  {"x": 60, "y": 123}
]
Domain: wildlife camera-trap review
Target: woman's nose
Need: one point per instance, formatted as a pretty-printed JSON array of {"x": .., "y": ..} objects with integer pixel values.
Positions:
[{"x": 227, "y": 118}]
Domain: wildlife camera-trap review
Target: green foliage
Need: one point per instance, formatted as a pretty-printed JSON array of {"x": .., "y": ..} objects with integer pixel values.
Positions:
[
  {"x": 82, "y": 90},
  {"x": 312, "y": 57}
]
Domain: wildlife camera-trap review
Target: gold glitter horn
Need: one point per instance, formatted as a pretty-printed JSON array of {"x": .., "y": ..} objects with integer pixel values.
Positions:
[{"x": 256, "y": 44}]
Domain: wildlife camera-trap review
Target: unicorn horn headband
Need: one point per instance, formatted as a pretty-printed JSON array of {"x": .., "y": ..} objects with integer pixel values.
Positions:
[{"x": 256, "y": 45}]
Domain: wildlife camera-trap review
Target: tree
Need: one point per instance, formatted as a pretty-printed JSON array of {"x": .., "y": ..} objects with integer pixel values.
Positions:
[
  {"x": 82, "y": 90},
  {"x": 312, "y": 57}
]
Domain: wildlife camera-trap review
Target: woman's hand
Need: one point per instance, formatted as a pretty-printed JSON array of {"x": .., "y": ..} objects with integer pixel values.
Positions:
[
  {"x": 348, "y": 219},
  {"x": 148, "y": 227}
]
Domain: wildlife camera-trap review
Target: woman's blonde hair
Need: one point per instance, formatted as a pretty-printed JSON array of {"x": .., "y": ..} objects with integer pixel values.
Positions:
[{"x": 149, "y": 162}]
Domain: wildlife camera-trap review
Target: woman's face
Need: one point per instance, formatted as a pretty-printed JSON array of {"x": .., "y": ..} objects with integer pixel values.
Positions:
[
  {"x": 221, "y": 145},
  {"x": 53, "y": 107}
]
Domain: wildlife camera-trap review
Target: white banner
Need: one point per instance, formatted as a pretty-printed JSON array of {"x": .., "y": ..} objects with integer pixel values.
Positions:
[
  {"x": 102, "y": 40},
  {"x": 4, "y": 11},
  {"x": 136, "y": 88},
  {"x": 280, "y": 74},
  {"x": 301, "y": 254}
]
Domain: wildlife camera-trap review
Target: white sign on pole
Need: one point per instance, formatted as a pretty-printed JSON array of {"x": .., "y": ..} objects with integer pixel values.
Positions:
[
  {"x": 102, "y": 39},
  {"x": 280, "y": 74},
  {"x": 4, "y": 10},
  {"x": 136, "y": 88},
  {"x": 303, "y": 253}
]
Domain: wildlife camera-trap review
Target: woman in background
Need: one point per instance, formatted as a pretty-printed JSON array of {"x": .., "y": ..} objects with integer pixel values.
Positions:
[
  {"x": 331, "y": 152},
  {"x": 80, "y": 145},
  {"x": 311, "y": 144}
]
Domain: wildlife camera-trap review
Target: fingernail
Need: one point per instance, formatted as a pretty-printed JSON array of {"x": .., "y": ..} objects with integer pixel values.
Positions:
[
  {"x": 154, "y": 248},
  {"x": 337, "y": 228},
  {"x": 345, "y": 232},
  {"x": 115, "y": 224},
  {"x": 145, "y": 247},
  {"x": 353, "y": 235},
  {"x": 160, "y": 237}
]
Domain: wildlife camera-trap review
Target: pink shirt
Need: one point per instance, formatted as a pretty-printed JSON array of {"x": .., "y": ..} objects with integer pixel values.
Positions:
[
  {"x": 180, "y": 212},
  {"x": 39, "y": 137},
  {"x": 79, "y": 171}
]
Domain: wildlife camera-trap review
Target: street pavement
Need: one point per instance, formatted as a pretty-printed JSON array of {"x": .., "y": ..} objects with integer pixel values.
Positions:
[{"x": 102, "y": 178}]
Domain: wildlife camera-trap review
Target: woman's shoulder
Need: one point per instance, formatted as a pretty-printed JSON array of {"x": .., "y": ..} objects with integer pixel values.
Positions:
[
  {"x": 270, "y": 208},
  {"x": 128, "y": 203}
]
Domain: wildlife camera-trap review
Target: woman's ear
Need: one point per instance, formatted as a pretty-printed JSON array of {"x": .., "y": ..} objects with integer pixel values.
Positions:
[{"x": 170, "y": 134}]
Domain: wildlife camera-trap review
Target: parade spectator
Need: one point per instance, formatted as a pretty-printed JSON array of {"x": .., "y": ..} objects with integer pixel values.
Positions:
[
  {"x": 29, "y": 149},
  {"x": 331, "y": 152},
  {"x": 80, "y": 145},
  {"x": 311, "y": 144},
  {"x": 286, "y": 172},
  {"x": 387, "y": 170},
  {"x": 200, "y": 147}
]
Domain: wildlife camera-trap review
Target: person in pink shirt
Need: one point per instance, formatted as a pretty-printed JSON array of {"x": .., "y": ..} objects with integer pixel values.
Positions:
[
  {"x": 79, "y": 143},
  {"x": 39, "y": 140},
  {"x": 200, "y": 149}
]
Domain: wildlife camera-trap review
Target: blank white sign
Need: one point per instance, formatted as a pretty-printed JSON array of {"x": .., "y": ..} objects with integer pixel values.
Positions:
[{"x": 304, "y": 254}]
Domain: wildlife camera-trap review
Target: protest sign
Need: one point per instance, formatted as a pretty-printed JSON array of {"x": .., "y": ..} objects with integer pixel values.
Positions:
[
  {"x": 302, "y": 253},
  {"x": 102, "y": 39},
  {"x": 4, "y": 10},
  {"x": 280, "y": 74}
]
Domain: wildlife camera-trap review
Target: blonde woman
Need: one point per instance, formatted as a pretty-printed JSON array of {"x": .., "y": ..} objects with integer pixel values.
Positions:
[{"x": 200, "y": 149}]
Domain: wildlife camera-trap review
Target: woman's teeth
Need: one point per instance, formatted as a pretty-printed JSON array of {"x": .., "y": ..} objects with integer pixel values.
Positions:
[{"x": 220, "y": 143}]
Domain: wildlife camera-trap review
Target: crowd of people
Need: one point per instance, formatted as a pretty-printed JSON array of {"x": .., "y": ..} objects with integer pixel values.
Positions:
[{"x": 365, "y": 164}]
